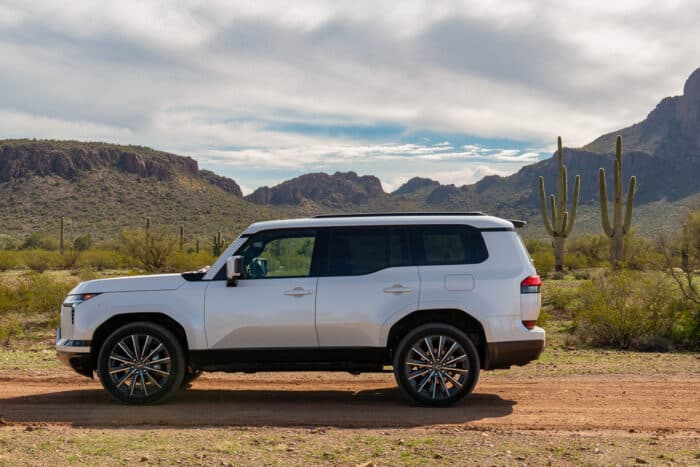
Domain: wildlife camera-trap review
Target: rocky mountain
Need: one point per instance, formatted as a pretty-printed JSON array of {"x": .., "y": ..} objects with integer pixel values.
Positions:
[
  {"x": 103, "y": 188},
  {"x": 71, "y": 159},
  {"x": 342, "y": 189}
]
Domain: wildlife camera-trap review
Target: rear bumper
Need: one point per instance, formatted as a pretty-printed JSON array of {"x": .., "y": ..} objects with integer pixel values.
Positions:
[
  {"x": 507, "y": 354},
  {"x": 81, "y": 363}
]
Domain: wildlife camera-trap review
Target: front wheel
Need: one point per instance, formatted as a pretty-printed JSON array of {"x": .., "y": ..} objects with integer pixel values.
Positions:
[
  {"x": 141, "y": 363},
  {"x": 436, "y": 364}
]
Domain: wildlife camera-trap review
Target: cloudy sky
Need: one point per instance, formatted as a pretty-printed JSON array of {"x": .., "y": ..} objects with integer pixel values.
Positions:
[{"x": 264, "y": 90}]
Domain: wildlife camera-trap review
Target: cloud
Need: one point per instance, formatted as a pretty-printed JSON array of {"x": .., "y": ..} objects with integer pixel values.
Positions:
[{"x": 263, "y": 90}]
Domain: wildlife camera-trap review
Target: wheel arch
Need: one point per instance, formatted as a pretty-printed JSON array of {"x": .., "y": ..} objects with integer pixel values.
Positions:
[
  {"x": 115, "y": 322},
  {"x": 456, "y": 317}
]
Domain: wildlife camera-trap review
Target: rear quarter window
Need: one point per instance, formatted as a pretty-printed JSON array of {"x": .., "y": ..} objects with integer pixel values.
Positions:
[{"x": 448, "y": 244}]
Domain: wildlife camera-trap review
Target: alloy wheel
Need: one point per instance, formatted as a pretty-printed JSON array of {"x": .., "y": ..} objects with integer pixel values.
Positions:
[
  {"x": 139, "y": 365},
  {"x": 437, "y": 367}
]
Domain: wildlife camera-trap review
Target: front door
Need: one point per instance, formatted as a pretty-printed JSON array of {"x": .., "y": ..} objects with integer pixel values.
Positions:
[{"x": 273, "y": 303}]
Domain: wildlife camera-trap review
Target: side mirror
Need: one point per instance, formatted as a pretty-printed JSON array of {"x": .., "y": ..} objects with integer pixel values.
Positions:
[{"x": 234, "y": 268}]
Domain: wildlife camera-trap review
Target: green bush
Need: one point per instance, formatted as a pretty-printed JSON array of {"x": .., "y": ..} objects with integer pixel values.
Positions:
[
  {"x": 588, "y": 251},
  {"x": 82, "y": 243},
  {"x": 544, "y": 261},
  {"x": 152, "y": 252},
  {"x": 9, "y": 260},
  {"x": 39, "y": 240},
  {"x": 181, "y": 261},
  {"x": 628, "y": 310},
  {"x": 41, "y": 260},
  {"x": 100, "y": 260}
]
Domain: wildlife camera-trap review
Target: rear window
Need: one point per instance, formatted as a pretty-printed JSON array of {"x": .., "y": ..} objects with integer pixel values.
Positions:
[{"x": 448, "y": 244}]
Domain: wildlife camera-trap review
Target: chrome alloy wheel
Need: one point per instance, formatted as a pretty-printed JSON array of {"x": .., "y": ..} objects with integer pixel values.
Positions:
[
  {"x": 437, "y": 366},
  {"x": 139, "y": 365}
]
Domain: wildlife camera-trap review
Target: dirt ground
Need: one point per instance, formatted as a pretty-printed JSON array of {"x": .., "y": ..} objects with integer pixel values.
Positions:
[
  {"x": 597, "y": 402},
  {"x": 570, "y": 407}
]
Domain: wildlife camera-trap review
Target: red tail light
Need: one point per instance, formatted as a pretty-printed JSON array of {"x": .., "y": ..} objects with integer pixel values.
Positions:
[
  {"x": 530, "y": 324},
  {"x": 531, "y": 284}
]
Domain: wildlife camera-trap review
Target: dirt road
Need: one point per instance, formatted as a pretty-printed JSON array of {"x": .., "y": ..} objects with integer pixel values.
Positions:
[{"x": 368, "y": 401}]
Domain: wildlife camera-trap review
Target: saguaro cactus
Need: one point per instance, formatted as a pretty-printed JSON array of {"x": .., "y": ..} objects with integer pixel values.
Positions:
[
  {"x": 559, "y": 228},
  {"x": 182, "y": 237},
  {"x": 62, "y": 237},
  {"x": 218, "y": 246},
  {"x": 617, "y": 230}
]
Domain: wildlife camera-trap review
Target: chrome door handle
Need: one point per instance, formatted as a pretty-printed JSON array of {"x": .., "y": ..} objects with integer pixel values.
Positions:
[
  {"x": 298, "y": 292},
  {"x": 397, "y": 288}
]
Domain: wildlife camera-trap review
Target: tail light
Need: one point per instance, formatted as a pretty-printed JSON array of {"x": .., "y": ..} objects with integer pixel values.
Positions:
[
  {"x": 530, "y": 324},
  {"x": 531, "y": 284}
]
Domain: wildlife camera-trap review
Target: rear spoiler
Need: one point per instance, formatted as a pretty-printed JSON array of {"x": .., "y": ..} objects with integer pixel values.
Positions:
[{"x": 518, "y": 224}]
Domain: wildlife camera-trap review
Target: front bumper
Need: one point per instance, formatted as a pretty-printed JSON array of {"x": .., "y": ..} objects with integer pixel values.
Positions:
[
  {"x": 507, "y": 354},
  {"x": 81, "y": 363},
  {"x": 75, "y": 354}
]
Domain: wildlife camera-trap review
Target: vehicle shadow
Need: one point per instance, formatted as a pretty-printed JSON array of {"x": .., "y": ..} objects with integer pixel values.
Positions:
[{"x": 376, "y": 408}]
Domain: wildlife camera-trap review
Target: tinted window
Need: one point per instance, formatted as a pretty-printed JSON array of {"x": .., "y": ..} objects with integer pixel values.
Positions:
[
  {"x": 448, "y": 244},
  {"x": 278, "y": 254},
  {"x": 400, "y": 247},
  {"x": 356, "y": 251}
]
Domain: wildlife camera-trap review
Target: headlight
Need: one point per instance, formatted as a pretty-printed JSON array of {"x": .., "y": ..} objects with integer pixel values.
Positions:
[{"x": 77, "y": 299}]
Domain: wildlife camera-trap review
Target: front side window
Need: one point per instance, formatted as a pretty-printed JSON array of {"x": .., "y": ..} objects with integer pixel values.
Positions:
[{"x": 278, "y": 254}]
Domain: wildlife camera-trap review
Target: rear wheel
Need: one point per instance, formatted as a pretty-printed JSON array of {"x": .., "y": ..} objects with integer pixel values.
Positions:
[
  {"x": 436, "y": 364},
  {"x": 141, "y": 363}
]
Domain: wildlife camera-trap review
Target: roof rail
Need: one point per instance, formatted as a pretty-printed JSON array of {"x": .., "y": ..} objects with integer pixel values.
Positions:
[{"x": 397, "y": 214}]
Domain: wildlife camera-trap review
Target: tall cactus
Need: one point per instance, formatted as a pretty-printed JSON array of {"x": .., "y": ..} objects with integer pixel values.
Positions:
[
  {"x": 62, "y": 237},
  {"x": 559, "y": 228},
  {"x": 218, "y": 245},
  {"x": 616, "y": 232}
]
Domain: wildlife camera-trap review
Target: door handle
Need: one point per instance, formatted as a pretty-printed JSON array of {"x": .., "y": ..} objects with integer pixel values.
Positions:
[
  {"x": 298, "y": 292},
  {"x": 397, "y": 288}
]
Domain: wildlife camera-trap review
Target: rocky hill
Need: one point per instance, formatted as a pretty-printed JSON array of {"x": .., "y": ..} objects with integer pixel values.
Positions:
[
  {"x": 339, "y": 190},
  {"x": 102, "y": 188}
]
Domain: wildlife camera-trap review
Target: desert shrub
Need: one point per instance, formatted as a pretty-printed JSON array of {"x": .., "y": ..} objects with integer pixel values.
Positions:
[
  {"x": 628, "y": 310},
  {"x": 99, "y": 260},
  {"x": 543, "y": 261},
  {"x": 10, "y": 327},
  {"x": 39, "y": 240},
  {"x": 536, "y": 245},
  {"x": 181, "y": 261},
  {"x": 640, "y": 253},
  {"x": 82, "y": 243},
  {"x": 41, "y": 260},
  {"x": 68, "y": 260},
  {"x": 588, "y": 251},
  {"x": 151, "y": 251},
  {"x": 9, "y": 260}
]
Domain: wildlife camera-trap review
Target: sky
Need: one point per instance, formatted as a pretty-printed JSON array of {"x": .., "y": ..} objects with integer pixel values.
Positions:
[{"x": 262, "y": 91}]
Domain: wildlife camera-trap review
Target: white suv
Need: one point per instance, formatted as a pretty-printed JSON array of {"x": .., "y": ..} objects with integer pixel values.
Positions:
[{"x": 437, "y": 296}]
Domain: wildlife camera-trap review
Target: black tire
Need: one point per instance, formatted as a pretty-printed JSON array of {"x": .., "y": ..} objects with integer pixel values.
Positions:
[
  {"x": 427, "y": 378},
  {"x": 156, "y": 376}
]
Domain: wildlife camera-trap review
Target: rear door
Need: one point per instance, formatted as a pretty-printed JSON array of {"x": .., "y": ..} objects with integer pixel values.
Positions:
[
  {"x": 368, "y": 279},
  {"x": 450, "y": 259}
]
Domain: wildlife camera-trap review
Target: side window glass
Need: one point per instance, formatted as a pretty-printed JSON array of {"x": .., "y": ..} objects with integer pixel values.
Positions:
[
  {"x": 449, "y": 245},
  {"x": 275, "y": 254},
  {"x": 400, "y": 247},
  {"x": 358, "y": 251}
]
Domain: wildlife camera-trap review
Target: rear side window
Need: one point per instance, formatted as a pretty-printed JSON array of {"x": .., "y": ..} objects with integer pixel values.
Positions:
[
  {"x": 357, "y": 251},
  {"x": 448, "y": 244}
]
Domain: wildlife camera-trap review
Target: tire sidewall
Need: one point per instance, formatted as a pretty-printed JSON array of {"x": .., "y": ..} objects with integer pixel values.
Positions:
[
  {"x": 401, "y": 374},
  {"x": 173, "y": 346}
]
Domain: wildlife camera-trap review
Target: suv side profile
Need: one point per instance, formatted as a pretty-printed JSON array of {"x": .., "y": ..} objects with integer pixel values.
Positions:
[{"x": 438, "y": 297}]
